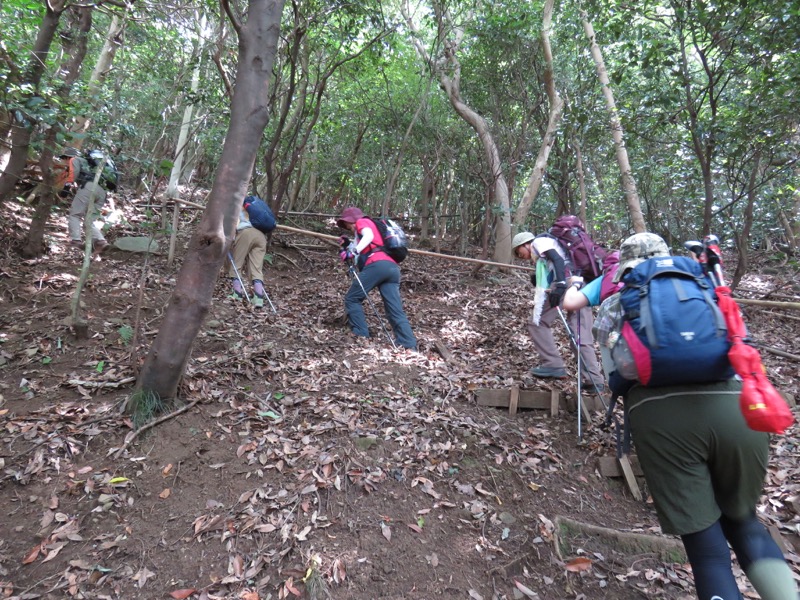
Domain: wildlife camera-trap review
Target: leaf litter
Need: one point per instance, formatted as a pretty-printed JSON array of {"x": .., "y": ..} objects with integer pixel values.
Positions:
[{"x": 308, "y": 450}]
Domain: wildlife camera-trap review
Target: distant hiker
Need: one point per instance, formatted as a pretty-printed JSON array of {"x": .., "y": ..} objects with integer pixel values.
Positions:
[
  {"x": 249, "y": 245},
  {"x": 703, "y": 465},
  {"x": 67, "y": 168},
  {"x": 376, "y": 269},
  {"x": 550, "y": 281},
  {"x": 80, "y": 173}
]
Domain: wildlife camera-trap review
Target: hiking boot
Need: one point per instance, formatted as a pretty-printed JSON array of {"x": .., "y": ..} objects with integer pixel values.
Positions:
[
  {"x": 100, "y": 246},
  {"x": 546, "y": 372},
  {"x": 236, "y": 296},
  {"x": 258, "y": 301},
  {"x": 599, "y": 388}
]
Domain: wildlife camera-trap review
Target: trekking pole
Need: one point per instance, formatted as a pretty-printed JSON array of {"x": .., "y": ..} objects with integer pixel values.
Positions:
[
  {"x": 371, "y": 303},
  {"x": 239, "y": 277},
  {"x": 266, "y": 295},
  {"x": 578, "y": 348},
  {"x": 575, "y": 343},
  {"x": 580, "y": 377}
]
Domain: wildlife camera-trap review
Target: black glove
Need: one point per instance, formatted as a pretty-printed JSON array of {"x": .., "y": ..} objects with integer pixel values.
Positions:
[
  {"x": 557, "y": 293},
  {"x": 533, "y": 278}
]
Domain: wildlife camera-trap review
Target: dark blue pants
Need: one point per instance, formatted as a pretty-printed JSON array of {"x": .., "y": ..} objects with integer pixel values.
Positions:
[{"x": 385, "y": 275}]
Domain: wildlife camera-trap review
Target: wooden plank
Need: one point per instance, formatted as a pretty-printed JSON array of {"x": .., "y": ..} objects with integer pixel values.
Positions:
[
  {"x": 512, "y": 403},
  {"x": 609, "y": 466},
  {"x": 527, "y": 398},
  {"x": 555, "y": 401},
  {"x": 493, "y": 397},
  {"x": 630, "y": 478},
  {"x": 585, "y": 409}
]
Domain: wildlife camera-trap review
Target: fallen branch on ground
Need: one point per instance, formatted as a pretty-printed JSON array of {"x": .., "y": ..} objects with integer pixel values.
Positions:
[{"x": 134, "y": 434}]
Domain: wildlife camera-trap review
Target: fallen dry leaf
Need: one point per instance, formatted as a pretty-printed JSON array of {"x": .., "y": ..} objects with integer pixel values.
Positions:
[
  {"x": 579, "y": 564},
  {"x": 32, "y": 555},
  {"x": 526, "y": 591},
  {"x": 414, "y": 527},
  {"x": 386, "y": 531},
  {"x": 182, "y": 594},
  {"x": 165, "y": 494}
]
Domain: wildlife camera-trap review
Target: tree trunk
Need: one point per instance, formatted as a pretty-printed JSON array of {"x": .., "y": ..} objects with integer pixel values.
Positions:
[
  {"x": 75, "y": 45},
  {"x": 183, "y": 136},
  {"x": 20, "y": 134},
  {"x": 451, "y": 84},
  {"x": 628, "y": 183},
  {"x": 101, "y": 69},
  {"x": 390, "y": 185},
  {"x": 581, "y": 181},
  {"x": 743, "y": 241},
  {"x": 549, "y": 137},
  {"x": 189, "y": 305}
]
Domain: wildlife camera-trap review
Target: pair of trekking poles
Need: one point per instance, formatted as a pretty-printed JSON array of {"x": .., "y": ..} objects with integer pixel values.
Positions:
[
  {"x": 576, "y": 341},
  {"x": 351, "y": 267}
]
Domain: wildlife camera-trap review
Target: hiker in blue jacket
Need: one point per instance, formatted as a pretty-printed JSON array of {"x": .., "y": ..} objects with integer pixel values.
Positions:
[{"x": 704, "y": 467}]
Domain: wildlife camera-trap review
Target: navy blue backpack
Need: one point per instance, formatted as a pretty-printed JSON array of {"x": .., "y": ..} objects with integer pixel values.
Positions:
[
  {"x": 261, "y": 216},
  {"x": 672, "y": 331}
]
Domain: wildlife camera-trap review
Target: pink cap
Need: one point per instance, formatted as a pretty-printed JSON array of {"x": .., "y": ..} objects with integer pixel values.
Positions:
[{"x": 351, "y": 214}]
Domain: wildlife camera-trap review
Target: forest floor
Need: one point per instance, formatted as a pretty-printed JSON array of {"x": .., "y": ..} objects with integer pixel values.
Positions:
[{"x": 311, "y": 464}]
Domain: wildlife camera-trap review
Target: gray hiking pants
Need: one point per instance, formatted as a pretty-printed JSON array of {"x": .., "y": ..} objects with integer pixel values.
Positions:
[
  {"x": 77, "y": 212},
  {"x": 545, "y": 344}
]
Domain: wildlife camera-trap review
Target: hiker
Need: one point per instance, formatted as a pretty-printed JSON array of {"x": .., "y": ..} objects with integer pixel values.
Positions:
[
  {"x": 594, "y": 293},
  {"x": 553, "y": 268},
  {"x": 376, "y": 269},
  {"x": 67, "y": 168},
  {"x": 249, "y": 245},
  {"x": 87, "y": 189},
  {"x": 705, "y": 470}
]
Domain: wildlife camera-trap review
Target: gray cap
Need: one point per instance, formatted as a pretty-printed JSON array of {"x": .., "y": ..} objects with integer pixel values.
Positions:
[
  {"x": 521, "y": 238},
  {"x": 637, "y": 249}
]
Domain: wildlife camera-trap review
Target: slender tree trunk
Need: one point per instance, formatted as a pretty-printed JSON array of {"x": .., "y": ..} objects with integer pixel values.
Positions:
[
  {"x": 743, "y": 241},
  {"x": 628, "y": 183},
  {"x": 101, "y": 69},
  {"x": 75, "y": 45},
  {"x": 189, "y": 305},
  {"x": 183, "y": 136},
  {"x": 448, "y": 70},
  {"x": 21, "y": 134},
  {"x": 796, "y": 197},
  {"x": 581, "y": 180},
  {"x": 426, "y": 197},
  {"x": 387, "y": 201},
  {"x": 549, "y": 137}
]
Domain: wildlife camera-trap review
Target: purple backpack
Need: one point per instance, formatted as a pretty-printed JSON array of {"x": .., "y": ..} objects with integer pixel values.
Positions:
[
  {"x": 585, "y": 255},
  {"x": 610, "y": 266}
]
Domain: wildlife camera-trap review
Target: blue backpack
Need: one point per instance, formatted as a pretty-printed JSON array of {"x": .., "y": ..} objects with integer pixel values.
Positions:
[
  {"x": 261, "y": 216},
  {"x": 672, "y": 331}
]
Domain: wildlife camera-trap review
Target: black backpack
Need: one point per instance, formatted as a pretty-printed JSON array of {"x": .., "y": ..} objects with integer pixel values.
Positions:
[
  {"x": 108, "y": 178},
  {"x": 395, "y": 241}
]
